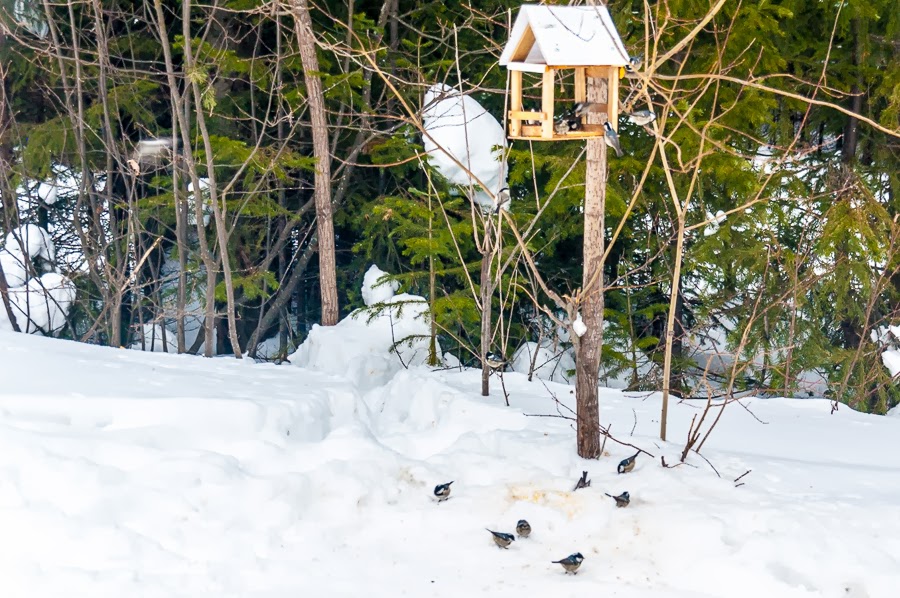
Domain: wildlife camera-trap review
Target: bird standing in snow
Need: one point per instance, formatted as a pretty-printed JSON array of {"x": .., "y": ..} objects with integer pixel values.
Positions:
[
  {"x": 641, "y": 118},
  {"x": 622, "y": 500},
  {"x": 571, "y": 563},
  {"x": 626, "y": 465},
  {"x": 502, "y": 540},
  {"x": 583, "y": 482},
  {"x": 494, "y": 361},
  {"x": 442, "y": 491},
  {"x": 523, "y": 528},
  {"x": 612, "y": 139}
]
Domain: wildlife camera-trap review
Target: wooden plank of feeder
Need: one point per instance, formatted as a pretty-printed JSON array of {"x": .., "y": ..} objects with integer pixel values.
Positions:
[
  {"x": 598, "y": 72},
  {"x": 612, "y": 97},
  {"x": 515, "y": 101},
  {"x": 526, "y": 115},
  {"x": 527, "y": 67},
  {"x": 573, "y": 136},
  {"x": 535, "y": 133},
  {"x": 547, "y": 103},
  {"x": 580, "y": 85}
]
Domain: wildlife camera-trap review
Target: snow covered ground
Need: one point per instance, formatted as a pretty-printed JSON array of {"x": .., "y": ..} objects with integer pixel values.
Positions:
[{"x": 125, "y": 473}]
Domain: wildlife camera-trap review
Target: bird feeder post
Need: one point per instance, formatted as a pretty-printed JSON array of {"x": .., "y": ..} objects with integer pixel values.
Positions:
[
  {"x": 583, "y": 40},
  {"x": 547, "y": 103},
  {"x": 515, "y": 103}
]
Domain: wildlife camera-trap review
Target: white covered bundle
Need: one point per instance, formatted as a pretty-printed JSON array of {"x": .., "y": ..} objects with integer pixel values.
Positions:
[
  {"x": 460, "y": 130},
  {"x": 39, "y": 304}
]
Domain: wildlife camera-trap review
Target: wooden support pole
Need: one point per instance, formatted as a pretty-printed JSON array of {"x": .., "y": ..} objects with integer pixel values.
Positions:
[
  {"x": 612, "y": 100},
  {"x": 588, "y": 347},
  {"x": 515, "y": 102},
  {"x": 580, "y": 84},
  {"x": 547, "y": 103}
]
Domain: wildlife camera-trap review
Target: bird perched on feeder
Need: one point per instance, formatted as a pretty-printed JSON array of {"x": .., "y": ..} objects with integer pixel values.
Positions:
[
  {"x": 571, "y": 563},
  {"x": 641, "y": 118},
  {"x": 583, "y": 482},
  {"x": 442, "y": 491},
  {"x": 612, "y": 139},
  {"x": 634, "y": 63},
  {"x": 582, "y": 108},
  {"x": 627, "y": 465},
  {"x": 565, "y": 123},
  {"x": 502, "y": 540},
  {"x": 622, "y": 500},
  {"x": 523, "y": 528}
]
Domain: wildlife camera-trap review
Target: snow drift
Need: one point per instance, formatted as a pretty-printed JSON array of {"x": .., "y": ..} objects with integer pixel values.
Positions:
[{"x": 129, "y": 473}]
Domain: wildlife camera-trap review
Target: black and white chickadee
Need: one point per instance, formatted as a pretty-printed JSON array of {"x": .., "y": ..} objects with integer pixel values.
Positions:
[
  {"x": 494, "y": 361},
  {"x": 612, "y": 138},
  {"x": 627, "y": 465},
  {"x": 502, "y": 200},
  {"x": 502, "y": 540},
  {"x": 571, "y": 563},
  {"x": 641, "y": 118},
  {"x": 634, "y": 63},
  {"x": 583, "y": 482},
  {"x": 622, "y": 500},
  {"x": 583, "y": 108},
  {"x": 566, "y": 123},
  {"x": 442, "y": 491},
  {"x": 523, "y": 528}
]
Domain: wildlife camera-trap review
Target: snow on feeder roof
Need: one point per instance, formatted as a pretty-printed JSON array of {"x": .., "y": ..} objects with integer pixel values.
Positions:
[{"x": 563, "y": 36}]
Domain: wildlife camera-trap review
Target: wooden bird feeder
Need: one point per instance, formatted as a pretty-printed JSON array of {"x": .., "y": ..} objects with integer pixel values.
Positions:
[{"x": 547, "y": 39}]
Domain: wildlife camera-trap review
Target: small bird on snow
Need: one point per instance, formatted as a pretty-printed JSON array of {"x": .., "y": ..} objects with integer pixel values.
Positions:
[
  {"x": 583, "y": 482},
  {"x": 502, "y": 540},
  {"x": 627, "y": 465},
  {"x": 622, "y": 500},
  {"x": 494, "y": 361},
  {"x": 571, "y": 563},
  {"x": 612, "y": 139},
  {"x": 641, "y": 118},
  {"x": 442, "y": 491},
  {"x": 523, "y": 528}
]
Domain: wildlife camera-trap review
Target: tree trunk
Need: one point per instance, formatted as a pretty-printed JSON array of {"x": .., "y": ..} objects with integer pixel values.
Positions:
[
  {"x": 486, "y": 294},
  {"x": 589, "y": 346},
  {"x": 670, "y": 327},
  {"x": 7, "y": 192},
  {"x": 324, "y": 215},
  {"x": 676, "y": 375},
  {"x": 851, "y": 127}
]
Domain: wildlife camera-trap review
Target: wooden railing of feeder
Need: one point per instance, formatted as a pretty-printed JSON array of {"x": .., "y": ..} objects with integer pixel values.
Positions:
[{"x": 547, "y": 116}]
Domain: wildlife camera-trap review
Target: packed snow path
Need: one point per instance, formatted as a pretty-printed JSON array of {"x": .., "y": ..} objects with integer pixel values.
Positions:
[{"x": 133, "y": 474}]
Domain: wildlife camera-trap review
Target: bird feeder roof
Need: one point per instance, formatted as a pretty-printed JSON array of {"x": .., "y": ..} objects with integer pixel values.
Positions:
[{"x": 561, "y": 36}]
